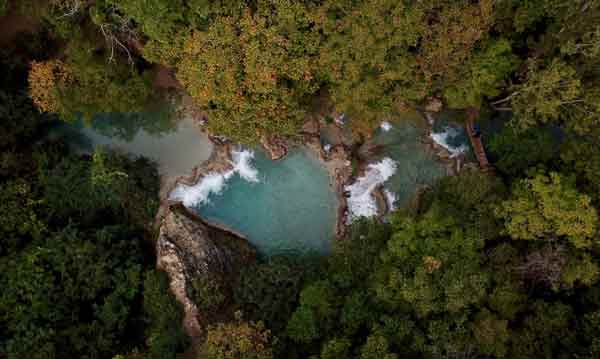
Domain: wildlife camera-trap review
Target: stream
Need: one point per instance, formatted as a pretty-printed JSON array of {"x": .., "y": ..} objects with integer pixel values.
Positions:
[{"x": 282, "y": 207}]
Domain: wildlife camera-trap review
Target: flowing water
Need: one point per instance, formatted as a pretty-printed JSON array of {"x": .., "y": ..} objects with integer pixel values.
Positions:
[
  {"x": 416, "y": 167},
  {"x": 283, "y": 207},
  {"x": 401, "y": 164}
]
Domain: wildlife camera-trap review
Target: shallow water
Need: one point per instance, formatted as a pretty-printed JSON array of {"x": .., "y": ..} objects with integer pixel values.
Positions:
[
  {"x": 176, "y": 149},
  {"x": 449, "y": 132},
  {"x": 287, "y": 207},
  {"x": 404, "y": 161},
  {"x": 415, "y": 166}
]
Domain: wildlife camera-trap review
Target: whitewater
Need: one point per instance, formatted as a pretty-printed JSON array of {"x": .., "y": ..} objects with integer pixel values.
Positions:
[
  {"x": 442, "y": 139},
  {"x": 215, "y": 182},
  {"x": 361, "y": 202}
]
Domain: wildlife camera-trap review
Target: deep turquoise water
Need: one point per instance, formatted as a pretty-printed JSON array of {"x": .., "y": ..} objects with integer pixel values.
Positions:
[{"x": 291, "y": 209}]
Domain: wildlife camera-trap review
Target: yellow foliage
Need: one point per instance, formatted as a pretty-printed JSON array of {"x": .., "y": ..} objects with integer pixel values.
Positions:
[
  {"x": 450, "y": 40},
  {"x": 44, "y": 81},
  {"x": 243, "y": 70}
]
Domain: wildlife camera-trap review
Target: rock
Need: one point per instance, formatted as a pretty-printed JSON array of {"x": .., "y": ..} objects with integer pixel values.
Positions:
[
  {"x": 311, "y": 127},
  {"x": 434, "y": 104},
  {"x": 275, "y": 146},
  {"x": 382, "y": 204},
  {"x": 339, "y": 118},
  {"x": 338, "y": 153},
  {"x": 189, "y": 248}
]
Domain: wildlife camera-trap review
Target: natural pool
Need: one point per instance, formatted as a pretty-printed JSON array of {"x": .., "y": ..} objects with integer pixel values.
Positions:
[
  {"x": 176, "y": 148},
  {"x": 283, "y": 207}
]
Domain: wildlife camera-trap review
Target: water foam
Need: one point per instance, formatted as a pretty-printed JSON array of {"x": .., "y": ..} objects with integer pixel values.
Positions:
[
  {"x": 361, "y": 202},
  {"x": 385, "y": 126},
  {"x": 442, "y": 139},
  {"x": 242, "y": 164},
  {"x": 215, "y": 182},
  {"x": 391, "y": 199}
]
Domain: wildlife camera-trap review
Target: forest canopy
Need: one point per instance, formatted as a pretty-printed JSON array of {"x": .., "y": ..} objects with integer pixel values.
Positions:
[
  {"x": 500, "y": 265},
  {"x": 255, "y": 66}
]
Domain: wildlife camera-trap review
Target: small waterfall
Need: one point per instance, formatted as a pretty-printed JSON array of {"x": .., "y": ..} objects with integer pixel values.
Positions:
[
  {"x": 447, "y": 138},
  {"x": 361, "y": 202},
  {"x": 215, "y": 182},
  {"x": 242, "y": 164},
  {"x": 391, "y": 199},
  {"x": 385, "y": 126}
]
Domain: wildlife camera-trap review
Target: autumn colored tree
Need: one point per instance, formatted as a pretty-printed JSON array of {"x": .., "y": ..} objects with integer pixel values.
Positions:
[
  {"x": 449, "y": 40},
  {"x": 86, "y": 85},
  {"x": 45, "y": 80},
  {"x": 247, "y": 340},
  {"x": 365, "y": 57},
  {"x": 250, "y": 73},
  {"x": 380, "y": 57}
]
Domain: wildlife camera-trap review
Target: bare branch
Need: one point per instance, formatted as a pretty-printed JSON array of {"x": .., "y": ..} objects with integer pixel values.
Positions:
[{"x": 506, "y": 98}]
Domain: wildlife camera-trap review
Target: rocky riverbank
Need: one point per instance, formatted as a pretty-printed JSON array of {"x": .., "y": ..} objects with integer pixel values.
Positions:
[
  {"x": 337, "y": 158},
  {"x": 188, "y": 248}
]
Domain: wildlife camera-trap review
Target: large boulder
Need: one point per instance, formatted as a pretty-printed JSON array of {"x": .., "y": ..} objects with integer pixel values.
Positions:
[{"x": 189, "y": 248}]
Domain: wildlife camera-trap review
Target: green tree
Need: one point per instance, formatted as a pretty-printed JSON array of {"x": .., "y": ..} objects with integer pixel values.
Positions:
[
  {"x": 157, "y": 19},
  {"x": 303, "y": 325},
  {"x": 376, "y": 347},
  {"x": 556, "y": 94},
  {"x": 579, "y": 155},
  {"x": 336, "y": 349},
  {"x": 433, "y": 265},
  {"x": 71, "y": 294},
  {"x": 3, "y": 7},
  {"x": 87, "y": 84},
  {"x": 517, "y": 151},
  {"x": 548, "y": 206},
  {"x": 317, "y": 308},
  {"x": 544, "y": 332},
  {"x": 270, "y": 290},
  {"x": 19, "y": 221},
  {"x": 163, "y": 314},
  {"x": 483, "y": 75},
  {"x": 491, "y": 334},
  {"x": 208, "y": 293}
]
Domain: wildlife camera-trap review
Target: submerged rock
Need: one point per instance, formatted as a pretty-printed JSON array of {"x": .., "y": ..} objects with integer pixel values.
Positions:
[
  {"x": 189, "y": 248},
  {"x": 275, "y": 147}
]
